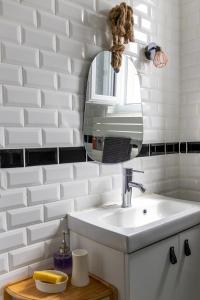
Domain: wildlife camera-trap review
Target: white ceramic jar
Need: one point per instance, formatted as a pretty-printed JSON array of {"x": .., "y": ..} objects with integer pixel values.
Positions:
[{"x": 80, "y": 275}]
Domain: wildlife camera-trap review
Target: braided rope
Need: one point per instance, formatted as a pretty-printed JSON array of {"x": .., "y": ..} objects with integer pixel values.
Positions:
[{"x": 122, "y": 22}]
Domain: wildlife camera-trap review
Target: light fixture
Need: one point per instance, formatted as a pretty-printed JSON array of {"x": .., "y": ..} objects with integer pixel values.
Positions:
[{"x": 154, "y": 53}]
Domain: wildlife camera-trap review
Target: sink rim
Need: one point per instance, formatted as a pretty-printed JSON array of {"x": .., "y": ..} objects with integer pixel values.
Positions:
[{"x": 131, "y": 239}]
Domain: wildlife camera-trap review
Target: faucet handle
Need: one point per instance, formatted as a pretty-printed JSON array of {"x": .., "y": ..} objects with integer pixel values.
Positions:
[{"x": 130, "y": 171}]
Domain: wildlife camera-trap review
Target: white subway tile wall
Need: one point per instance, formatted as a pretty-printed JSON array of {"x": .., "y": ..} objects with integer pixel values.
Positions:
[
  {"x": 190, "y": 98},
  {"x": 46, "y": 48}
]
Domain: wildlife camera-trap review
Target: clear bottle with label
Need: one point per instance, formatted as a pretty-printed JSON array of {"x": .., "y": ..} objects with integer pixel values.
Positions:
[{"x": 63, "y": 258}]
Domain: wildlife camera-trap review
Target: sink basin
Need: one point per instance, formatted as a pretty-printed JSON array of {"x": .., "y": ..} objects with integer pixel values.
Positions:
[
  {"x": 146, "y": 212},
  {"x": 150, "y": 219}
]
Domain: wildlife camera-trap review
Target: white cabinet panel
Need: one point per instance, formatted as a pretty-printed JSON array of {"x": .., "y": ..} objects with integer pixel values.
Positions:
[
  {"x": 189, "y": 266},
  {"x": 151, "y": 275}
]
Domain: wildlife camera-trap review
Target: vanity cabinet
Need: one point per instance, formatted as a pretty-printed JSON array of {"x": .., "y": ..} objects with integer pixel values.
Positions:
[
  {"x": 148, "y": 274},
  {"x": 152, "y": 276}
]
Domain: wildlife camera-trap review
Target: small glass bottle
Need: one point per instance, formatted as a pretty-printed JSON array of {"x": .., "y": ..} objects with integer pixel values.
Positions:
[{"x": 63, "y": 258}]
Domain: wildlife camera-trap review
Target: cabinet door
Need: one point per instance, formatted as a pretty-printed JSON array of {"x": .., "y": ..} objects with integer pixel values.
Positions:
[
  {"x": 150, "y": 273},
  {"x": 189, "y": 266}
]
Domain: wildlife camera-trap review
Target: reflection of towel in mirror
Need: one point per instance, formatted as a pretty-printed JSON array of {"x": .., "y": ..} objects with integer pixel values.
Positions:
[{"x": 116, "y": 150}]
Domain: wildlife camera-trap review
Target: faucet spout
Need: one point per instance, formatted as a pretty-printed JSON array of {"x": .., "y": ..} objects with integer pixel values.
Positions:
[
  {"x": 128, "y": 184},
  {"x": 137, "y": 185}
]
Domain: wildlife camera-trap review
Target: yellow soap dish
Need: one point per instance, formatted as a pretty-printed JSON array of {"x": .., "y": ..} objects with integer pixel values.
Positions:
[{"x": 52, "y": 288}]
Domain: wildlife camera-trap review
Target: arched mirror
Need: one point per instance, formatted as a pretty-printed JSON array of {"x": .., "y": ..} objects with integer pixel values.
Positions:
[{"x": 113, "y": 121}]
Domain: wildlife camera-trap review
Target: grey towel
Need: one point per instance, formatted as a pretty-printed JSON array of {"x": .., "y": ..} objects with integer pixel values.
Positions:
[{"x": 116, "y": 150}]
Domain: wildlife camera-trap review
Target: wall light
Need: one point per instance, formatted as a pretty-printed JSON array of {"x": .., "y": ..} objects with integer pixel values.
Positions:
[{"x": 154, "y": 53}]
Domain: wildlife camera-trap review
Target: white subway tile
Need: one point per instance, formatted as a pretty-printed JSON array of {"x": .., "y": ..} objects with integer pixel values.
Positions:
[
  {"x": 58, "y": 137},
  {"x": 86, "y": 202},
  {"x": 10, "y": 74},
  {"x": 1, "y": 94},
  {"x": 12, "y": 276},
  {"x": 69, "y": 10},
  {"x": 39, "y": 79},
  {"x": 10, "y": 32},
  {"x": 91, "y": 51},
  {"x": 2, "y": 223},
  {"x": 58, "y": 209},
  {"x": 43, "y": 194},
  {"x": 2, "y": 137},
  {"x": 12, "y": 240},
  {"x": 58, "y": 173},
  {"x": 24, "y": 177},
  {"x": 52, "y": 246},
  {"x": 17, "y": 12},
  {"x": 95, "y": 20},
  {"x": 41, "y": 232},
  {"x": 56, "y": 99},
  {"x": 78, "y": 102},
  {"x": 53, "y": 23},
  {"x": 25, "y": 256},
  {"x": 86, "y": 170},
  {"x": 13, "y": 199},
  {"x": 79, "y": 67},
  {"x": 45, "y": 264},
  {"x": 103, "y": 6},
  {"x": 86, "y": 4},
  {"x": 21, "y": 96},
  {"x": 19, "y": 55},
  {"x": 38, "y": 39},
  {"x": 110, "y": 169},
  {"x": 47, "y": 5},
  {"x": 70, "y": 47},
  {"x": 24, "y": 216},
  {"x": 78, "y": 137},
  {"x": 81, "y": 33},
  {"x": 69, "y": 118},
  {"x": 71, "y": 83},
  {"x": 4, "y": 268},
  {"x": 74, "y": 189},
  {"x": 100, "y": 185},
  {"x": 11, "y": 117},
  {"x": 35, "y": 117},
  {"x": 25, "y": 137},
  {"x": 117, "y": 181},
  {"x": 54, "y": 61}
]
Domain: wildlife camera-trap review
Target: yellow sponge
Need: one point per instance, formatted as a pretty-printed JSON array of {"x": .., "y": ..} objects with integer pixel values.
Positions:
[{"x": 48, "y": 276}]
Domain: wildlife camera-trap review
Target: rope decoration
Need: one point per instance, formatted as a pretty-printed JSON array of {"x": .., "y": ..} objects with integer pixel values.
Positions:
[{"x": 122, "y": 22}]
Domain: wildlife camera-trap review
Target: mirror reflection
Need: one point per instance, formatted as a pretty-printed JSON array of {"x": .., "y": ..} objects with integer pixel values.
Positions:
[{"x": 113, "y": 121}]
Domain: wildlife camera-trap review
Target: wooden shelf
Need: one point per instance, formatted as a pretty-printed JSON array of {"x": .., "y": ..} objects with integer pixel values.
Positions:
[{"x": 97, "y": 289}]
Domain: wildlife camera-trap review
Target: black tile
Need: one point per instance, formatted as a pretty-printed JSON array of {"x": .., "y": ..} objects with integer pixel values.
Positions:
[
  {"x": 144, "y": 150},
  {"x": 172, "y": 148},
  {"x": 72, "y": 154},
  {"x": 45, "y": 156},
  {"x": 12, "y": 158},
  {"x": 183, "y": 147},
  {"x": 157, "y": 149},
  {"x": 193, "y": 147}
]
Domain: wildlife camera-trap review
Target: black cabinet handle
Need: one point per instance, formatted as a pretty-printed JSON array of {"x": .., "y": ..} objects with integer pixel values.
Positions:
[
  {"x": 187, "y": 248},
  {"x": 172, "y": 256}
]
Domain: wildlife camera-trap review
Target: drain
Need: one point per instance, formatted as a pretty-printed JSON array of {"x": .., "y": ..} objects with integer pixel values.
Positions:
[{"x": 145, "y": 211}]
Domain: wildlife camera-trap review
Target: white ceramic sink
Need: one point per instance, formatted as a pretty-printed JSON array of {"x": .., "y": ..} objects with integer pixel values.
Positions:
[
  {"x": 143, "y": 213},
  {"x": 150, "y": 219}
]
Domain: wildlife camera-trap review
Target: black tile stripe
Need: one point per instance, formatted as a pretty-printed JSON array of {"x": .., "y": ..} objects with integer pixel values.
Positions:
[
  {"x": 72, "y": 154},
  {"x": 14, "y": 158},
  {"x": 35, "y": 157}
]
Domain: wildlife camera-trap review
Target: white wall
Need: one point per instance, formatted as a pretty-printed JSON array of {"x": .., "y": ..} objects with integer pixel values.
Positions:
[
  {"x": 190, "y": 97},
  {"x": 46, "y": 48}
]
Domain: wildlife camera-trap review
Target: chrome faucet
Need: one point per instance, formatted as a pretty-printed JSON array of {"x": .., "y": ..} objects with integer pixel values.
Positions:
[{"x": 128, "y": 184}]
